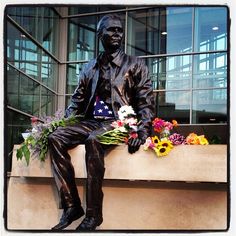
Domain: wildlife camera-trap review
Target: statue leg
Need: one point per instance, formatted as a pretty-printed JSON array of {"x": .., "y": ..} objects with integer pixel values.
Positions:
[
  {"x": 95, "y": 152},
  {"x": 60, "y": 141}
]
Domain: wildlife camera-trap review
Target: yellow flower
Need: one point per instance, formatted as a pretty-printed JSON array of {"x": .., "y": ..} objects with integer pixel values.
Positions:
[
  {"x": 155, "y": 140},
  {"x": 203, "y": 140},
  {"x": 162, "y": 151},
  {"x": 165, "y": 143}
]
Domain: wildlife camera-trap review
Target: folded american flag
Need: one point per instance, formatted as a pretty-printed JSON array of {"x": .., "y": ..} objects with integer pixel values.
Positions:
[{"x": 102, "y": 110}]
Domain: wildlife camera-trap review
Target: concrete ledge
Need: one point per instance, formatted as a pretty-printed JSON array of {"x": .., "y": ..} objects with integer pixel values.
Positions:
[{"x": 184, "y": 163}]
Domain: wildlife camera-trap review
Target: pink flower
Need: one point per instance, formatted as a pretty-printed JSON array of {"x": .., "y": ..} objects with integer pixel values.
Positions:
[
  {"x": 158, "y": 124},
  {"x": 168, "y": 125},
  {"x": 117, "y": 124}
]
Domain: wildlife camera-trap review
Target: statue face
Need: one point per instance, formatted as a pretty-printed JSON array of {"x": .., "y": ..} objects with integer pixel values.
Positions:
[{"x": 112, "y": 35}]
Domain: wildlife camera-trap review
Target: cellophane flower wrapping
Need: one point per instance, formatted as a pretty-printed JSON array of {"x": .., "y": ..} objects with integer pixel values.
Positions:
[
  {"x": 123, "y": 128},
  {"x": 36, "y": 139}
]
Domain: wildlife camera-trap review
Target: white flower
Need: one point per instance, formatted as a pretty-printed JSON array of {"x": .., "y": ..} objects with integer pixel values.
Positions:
[
  {"x": 125, "y": 111},
  {"x": 34, "y": 130}
]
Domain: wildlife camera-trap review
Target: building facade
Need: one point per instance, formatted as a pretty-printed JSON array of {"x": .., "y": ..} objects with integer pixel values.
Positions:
[{"x": 185, "y": 48}]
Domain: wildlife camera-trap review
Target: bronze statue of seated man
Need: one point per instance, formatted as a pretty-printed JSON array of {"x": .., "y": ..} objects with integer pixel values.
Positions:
[{"x": 113, "y": 79}]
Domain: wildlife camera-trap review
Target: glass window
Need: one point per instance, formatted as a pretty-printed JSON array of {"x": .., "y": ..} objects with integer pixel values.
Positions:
[
  {"x": 92, "y": 9},
  {"x": 210, "y": 28},
  {"x": 48, "y": 100},
  {"x": 16, "y": 124},
  {"x": 49, "y": 71},
  {"x": 68, "y": 100},
  {"x": 82, "y": 38},
  {"x": 29, "y": 58},
  {"x": 23, "y": 93},
  {"x": 159, "y": 31},
  {"x": 40, "y": 22},
  {"x": 73, "y": 71},
  {"x": 23, "y": 53},
  {"x": 209, "y": 106},
  {"x": 210, "y": 70},
  {"x": 170, "y": 72},
  {"x": 174, "y": 105}
]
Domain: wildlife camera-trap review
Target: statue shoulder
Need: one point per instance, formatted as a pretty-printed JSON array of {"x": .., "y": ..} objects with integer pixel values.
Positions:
[{"x": 88, "y": 66}]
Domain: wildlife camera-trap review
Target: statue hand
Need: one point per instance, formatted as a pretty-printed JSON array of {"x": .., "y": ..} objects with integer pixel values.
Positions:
[{"x": 134, "y": 144}]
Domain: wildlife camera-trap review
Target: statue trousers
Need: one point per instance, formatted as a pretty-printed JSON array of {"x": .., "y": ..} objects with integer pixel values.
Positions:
[{"x": 65, "y": 138}]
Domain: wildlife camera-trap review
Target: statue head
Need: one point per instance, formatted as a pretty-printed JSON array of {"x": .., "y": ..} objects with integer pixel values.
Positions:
[{"x": 110, "y": 32}]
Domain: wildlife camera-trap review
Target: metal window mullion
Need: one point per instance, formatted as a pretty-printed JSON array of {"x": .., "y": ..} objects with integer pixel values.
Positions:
[
  {"x": 156, "y": 56},
  {"x": 192, "y": 71},
  {"x": 107, "y": 12},
  {"x": 21, "y": 112}
]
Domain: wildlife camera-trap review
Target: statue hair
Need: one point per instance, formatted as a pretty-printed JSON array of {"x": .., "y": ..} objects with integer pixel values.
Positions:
[{"x": 101, "y": 23}]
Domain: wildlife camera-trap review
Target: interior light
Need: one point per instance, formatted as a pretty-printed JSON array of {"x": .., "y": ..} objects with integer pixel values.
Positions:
[
  {"x": 23, "y": 36},
  {"x": 215, "y": 28},
  {"x": 164, "y": 33},
  {"x": 212, "y": 119}
]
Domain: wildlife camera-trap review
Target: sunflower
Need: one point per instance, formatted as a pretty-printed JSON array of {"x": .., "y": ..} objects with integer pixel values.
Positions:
[
  {"x": 162, "y": 151},
  {"x": 166, "y": 143},
  {"x": 155, "y": 140}
]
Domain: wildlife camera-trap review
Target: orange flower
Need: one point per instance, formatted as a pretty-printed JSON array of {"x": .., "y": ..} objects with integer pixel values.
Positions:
[
  {"x": 192, "y": 138},
  {"x": 175, "y": 123}
]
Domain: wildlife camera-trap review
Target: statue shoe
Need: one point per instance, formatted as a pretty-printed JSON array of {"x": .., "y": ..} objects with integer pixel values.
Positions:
[
  {"x": 89, "y": 223},
  {"x": 69, "y": 215}
]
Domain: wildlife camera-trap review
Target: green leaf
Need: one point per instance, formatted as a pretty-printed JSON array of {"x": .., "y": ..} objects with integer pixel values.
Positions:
[
  {"x": 19, "y": 154},
  {"x": 26, "y": 153}
]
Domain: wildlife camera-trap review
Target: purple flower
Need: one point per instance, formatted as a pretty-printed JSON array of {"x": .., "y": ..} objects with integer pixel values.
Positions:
[{"x": 177, "y": 139}]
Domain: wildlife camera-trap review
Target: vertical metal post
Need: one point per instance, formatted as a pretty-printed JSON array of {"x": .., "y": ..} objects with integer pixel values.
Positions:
[
  {"x": 61, "y": 82},
  {"x": 192, "y": 72}
]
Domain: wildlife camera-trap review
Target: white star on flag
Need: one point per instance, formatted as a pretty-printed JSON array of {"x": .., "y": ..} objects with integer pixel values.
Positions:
[
  {"x": 100, "y": 110},
  {"x": 106, "y": 107},
  {"x": 101, "y": 102}
]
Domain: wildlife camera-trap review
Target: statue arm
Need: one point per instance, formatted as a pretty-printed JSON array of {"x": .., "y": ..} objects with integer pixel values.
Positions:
[
  {"x": 144, "y": 103},
  {"x": 76, "y": 106}
]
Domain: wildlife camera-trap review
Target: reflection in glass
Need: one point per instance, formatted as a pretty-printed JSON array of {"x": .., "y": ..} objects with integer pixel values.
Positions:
[
  {"x": 82, "y": 38},
  {"x": 173, "y": 105},
  {"x": 83, "y": 9},
  {"x": 47, "y": 102},
  {"x": 26, "y": 97},
  {"x": 211, "y": 28},
  {"x": 73, "y": 71},
  {"x": 210, "y": 106},
  {"x": 160, "y": 31},
  {"x": 68, "y": 100},
  {"x": 210, "y": 70},
  {"x": 22, "y": 52},
  {"x": 170, "y": 72},
  {"x": 16, "y": 124},
  {"x": 40, "y": 22},
  {"x": 49, "y": 71}
]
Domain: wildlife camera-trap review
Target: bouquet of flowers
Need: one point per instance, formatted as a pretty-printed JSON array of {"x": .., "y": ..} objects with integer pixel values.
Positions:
[
  {"x": 123, "y": 128},
  {"x": 160, "y": 147},
  {"x": 36, "y": 140},
  {"x": 195, "y": 139},
  {"x": 163, "y": 144},
  {"x": 163, "y": 127}
]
